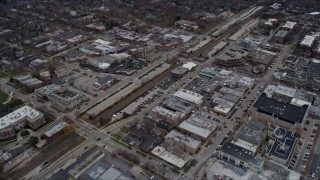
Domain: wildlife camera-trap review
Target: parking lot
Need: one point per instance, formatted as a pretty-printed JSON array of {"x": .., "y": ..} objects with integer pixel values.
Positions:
[{"x": 167, "y": 83}]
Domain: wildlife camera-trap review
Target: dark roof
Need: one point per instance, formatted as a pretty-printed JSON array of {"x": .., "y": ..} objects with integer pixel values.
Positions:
[
  {"x": 240, "y": 153},
  {"x": 164, "y": 125},
  {"x": 284, "y": 143},
  {"x": 286, "y": 112},
  {"x": 150, "y": 140},
  {"x": 281, "y": 33},
  {"x": 314, "y": 67},
  {"x": 105, "y": 79}
]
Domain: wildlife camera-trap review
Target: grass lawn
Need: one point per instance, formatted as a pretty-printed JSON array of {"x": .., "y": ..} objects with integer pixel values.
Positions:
[
  {"x": 53, "y": 145},
  {"x": 67, "y": 149},
  {"x": 125, "y": 130},
  {"x": 3, "y": 74},
  {"x": 202, "y": 30},
  {"x": 3, "y": 96}
]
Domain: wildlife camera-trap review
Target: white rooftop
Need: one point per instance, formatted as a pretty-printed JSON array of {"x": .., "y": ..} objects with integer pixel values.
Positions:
[
  {"x": 299, "y": 102},
  {"x": 200, "y": 131},
  {"x": 269, "y": 90},
  {"x": 55, "y": 129},
  {"x": 189, "y": 96},
  {"x": 185, "y": 38},
  {"x": 188, "y": 141},
  {"x": 168, "y": 113},
  {"x": 287, "y": 91},
  {"x": 189, "y": 65},
  {"x": 110, "y": 174},
  {"x": 100, "y": 41},
  {"x": 308, "y": 41},
  {"x": 223, "y": 106},
  {"x": 246, "y": 81},
  {"x": 289, "y": 25},
  {"x": 200, "y": 126},
  {"x": 18, "y": 115},
  {"x": 169, "y": 157},
  {"x": 104, "y": 65}
]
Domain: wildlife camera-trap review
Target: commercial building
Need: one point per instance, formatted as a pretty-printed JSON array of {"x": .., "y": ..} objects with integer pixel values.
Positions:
[
  {"x": 209, "y": 72},
  {"x": 189, "y": 65},
  {"x": 308, "y": 41},
  {"x": 314, "y": 68},
  {"x": 280, "y": 37},
  {"x": 281, "y": 145},
  {"x": 231, "y": 57},
  {"x": 55, "y": 132},
  {"x": 66, "y": 99},
  {"x": 184, "y": 142},
  {"x": 236, "y": 92},
  {"x": 246, "y": 82},
  {"x": 283, "y": 93},
  {"x": 29, "y": 82},
  {"x": 179, "y": 71},
  {"x": 45, "y": 76},
  {"x": 240, "y": 156},
  {"x": 289, "y": 26},
  {"x": 222, "y": 106},
  {"x": 251, "y": 135},
  {"x": 18, "y": 119},
  {"x": 199, "y": 126},
  {"x": 177, "y": 104},
  {"x": 185, "y": 24},
  {"x": 103, "y": 82},
  {"x": 283, "y": 114},
  {"x": 172, "y": 117},
  {"x": 167, "y": 46},
  {"x": 97, "y": 27},
  {"x": 168, "y": 157},
  {"x": 37, "y": 63},
  {"x": 261, "y": 57},
  {"x": 189, "y": 96},
  {"x": 45, "y": 90}
]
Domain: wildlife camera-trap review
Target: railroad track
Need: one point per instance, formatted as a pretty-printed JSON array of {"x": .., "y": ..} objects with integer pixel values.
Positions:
[{"x": 206, "y": 48}]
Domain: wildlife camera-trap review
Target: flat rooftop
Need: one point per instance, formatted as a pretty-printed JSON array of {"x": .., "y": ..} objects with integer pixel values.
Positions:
[
  {"x": 287, "y": 91},
  {"x": 253, "y": 132},
  {"x": 55, "y": 129},
  {"x": 44, "y": 91},
  {"x": 199, "y": 126},
  {"x": 169, "y": 157},
  {"x": 177, "y": 104},
  {"x": 286, "y": 112},
  {"x": 18, "y": 115},
  {"x": 222, "y": 105},
  {"x": 314, "y": 66},
  {"x": 184, "y": 139},
  {"x": 281, "y": 33},
  {"x": 308, "y": 41},
  {"x": 240, "y": 153},
  {"x": 283, "y": 145},
  {"x": 189, "y": 96},
  {"x": 232, "y": 52},
  {"x": 168, "y": 113},
  {"x": 289, "y": 25}
]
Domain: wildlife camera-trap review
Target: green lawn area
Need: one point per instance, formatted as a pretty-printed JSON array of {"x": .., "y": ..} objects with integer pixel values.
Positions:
[
  {"x": 3, "y": 74},
  {"x": 67, "y": 149},
  {"x": 56, "y": 143},
  {"x": 125, "y": 129},
  {"x": 3, "y": 96},
  {"x": 202, "y": 30}
]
